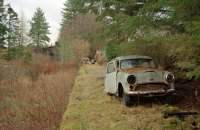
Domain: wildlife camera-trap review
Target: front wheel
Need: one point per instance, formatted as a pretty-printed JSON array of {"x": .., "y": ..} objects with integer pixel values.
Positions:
[
  {"x": 126, "y": 100},
  {"x": 168, "y": 99}
]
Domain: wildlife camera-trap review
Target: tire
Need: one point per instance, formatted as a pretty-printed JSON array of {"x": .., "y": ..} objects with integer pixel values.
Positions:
[
  {"x": 126, "y": 100},
  {"x": 169, "y": 99}
]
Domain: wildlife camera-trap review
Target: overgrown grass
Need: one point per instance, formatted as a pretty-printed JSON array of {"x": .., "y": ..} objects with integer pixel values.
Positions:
[
  {"x": 90, "y": 109},
  {"x": 34, "y": 96}
]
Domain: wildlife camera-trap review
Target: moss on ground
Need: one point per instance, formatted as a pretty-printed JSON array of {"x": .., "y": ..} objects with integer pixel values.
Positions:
[{"x": 91, "y": 109}]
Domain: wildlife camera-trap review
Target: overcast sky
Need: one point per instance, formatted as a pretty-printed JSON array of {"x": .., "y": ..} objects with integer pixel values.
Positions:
[{"x": 51, "y": 8}]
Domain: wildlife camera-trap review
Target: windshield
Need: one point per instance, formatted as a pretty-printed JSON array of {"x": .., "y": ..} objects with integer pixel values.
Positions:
[{"x": 130, "y": 63}]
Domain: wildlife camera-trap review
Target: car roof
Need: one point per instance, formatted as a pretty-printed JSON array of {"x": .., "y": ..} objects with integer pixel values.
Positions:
[{"x": 132, "y": 57}]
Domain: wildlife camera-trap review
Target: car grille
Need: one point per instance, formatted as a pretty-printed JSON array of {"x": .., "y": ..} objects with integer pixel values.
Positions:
[{"x": 152, "y": 87}]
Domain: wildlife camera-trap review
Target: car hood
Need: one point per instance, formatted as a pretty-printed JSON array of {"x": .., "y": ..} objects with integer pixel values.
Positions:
[
  {"x": 138, "y": 69},
  {"x": 147, "y": 75}
]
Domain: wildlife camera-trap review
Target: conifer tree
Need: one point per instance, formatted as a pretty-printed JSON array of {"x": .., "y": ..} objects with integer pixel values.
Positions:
[
  {"x": 13, "y": 27},
  {"x": 39, "y": 29},
  {"x": 3, "y": 28}
]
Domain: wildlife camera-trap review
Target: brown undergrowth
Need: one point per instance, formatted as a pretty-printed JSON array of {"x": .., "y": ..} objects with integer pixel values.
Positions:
[
  {"x": 188, "y": 94},
  {"x": 33, "y": 96}
]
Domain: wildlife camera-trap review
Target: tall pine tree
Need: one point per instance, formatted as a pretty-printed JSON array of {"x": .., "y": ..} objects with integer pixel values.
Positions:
[
  {"x": 3, "y": 28},
  {"x": 72, "y": 8},
  {"x": 39, "y": 29},
  {"x": 13, "y": 27}
]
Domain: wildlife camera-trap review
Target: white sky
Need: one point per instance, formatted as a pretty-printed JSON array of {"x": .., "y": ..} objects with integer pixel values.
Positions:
[{"x": 51, "y": 8}]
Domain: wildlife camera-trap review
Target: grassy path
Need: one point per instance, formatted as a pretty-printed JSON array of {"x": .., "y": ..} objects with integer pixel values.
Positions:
[{"x": 90, "y": 109}]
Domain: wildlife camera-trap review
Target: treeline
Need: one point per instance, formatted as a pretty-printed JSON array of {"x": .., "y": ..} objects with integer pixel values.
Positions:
[
  {"x": 16, "y": 41},
  {"x": 167, "y": 30},
  {"x": 34, "y": 91},
  {"x": 80, "y": 35}
]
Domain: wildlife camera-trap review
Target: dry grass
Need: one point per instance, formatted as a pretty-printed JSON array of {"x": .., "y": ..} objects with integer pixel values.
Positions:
[
  {"x": 90, "y": 109},
  {"x": 34, "y": 96}
]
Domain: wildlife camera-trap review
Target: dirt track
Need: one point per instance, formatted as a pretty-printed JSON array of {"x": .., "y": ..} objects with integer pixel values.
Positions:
[{"x": 91, "y": 109}]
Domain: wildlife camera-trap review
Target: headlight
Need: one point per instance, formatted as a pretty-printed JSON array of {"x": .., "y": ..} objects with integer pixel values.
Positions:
[
  {"x": 131, "y": 79},
  {"x": 170, "y": 78}
]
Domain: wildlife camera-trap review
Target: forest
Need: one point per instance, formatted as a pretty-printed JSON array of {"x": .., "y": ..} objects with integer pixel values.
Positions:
[
  {"x": 167, "y": 30},
  {"x": 33, "y": 90}
]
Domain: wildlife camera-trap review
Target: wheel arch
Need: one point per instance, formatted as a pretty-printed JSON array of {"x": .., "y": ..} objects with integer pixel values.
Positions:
[{"x": 120, "y": 89}]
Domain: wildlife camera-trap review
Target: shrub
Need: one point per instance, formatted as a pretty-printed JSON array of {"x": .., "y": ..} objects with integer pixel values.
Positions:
[
  {"x": 81, "y": 48},
  {"x": 34, "y": 104},
  {"x": 186, "y": 52},
  {"x": 180, "y": 53},
  {"x": 18, "y": 53},
  {"x": 112, "y": 50},
  {"x": 156, "y": 49}
]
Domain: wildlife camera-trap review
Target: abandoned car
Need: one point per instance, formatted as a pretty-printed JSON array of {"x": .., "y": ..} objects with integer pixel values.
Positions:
[{"x": 137, "y": 76}]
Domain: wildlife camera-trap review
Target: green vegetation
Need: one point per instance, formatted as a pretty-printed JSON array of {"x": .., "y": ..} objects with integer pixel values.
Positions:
[
  {"x": 3, "y": 28},
  {"x": 33, "y": 87},
  {"x": 90, "y": 109},
  {"x": 11, "y": 35},
  {"x": 79, "y": 32},
  {"x": 34, "y": 91},
  {"x": 14, "y": 40},
  {"x": 161, "y": 29},
  {"x": 39, "y": 29}
]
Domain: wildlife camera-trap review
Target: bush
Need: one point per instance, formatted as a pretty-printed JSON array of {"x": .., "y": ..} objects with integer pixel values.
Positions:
[
  {"x": 186, "y": 52},
  {"x": 18, "y": 53},
  {"x": 112, "y": 50},
  {"x": 156, "y": 49},
  {"x": 179, "y": 53},
  {"x": 34, "y": 104}
]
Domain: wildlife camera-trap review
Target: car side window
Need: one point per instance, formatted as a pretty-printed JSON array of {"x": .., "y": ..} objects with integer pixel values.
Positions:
[{"x": 111, "y": 68}]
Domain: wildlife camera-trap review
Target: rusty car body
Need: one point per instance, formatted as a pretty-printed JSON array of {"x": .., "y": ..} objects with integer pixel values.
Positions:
[{"x": 136, "y": 75}]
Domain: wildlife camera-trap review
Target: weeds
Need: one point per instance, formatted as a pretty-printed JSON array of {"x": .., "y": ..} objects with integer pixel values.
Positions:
[{"x": 34, "y": 96}]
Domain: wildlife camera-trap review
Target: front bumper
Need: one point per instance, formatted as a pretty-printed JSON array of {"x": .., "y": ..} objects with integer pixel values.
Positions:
[{"x": 151, "y": 93}]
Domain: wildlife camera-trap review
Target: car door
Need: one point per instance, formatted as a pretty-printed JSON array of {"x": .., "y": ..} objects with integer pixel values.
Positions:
[{"x": 110, "y": 82}]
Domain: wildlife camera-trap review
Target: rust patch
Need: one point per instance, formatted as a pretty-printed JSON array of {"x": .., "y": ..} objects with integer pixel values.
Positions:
[{"x": 138, "y": 69}]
